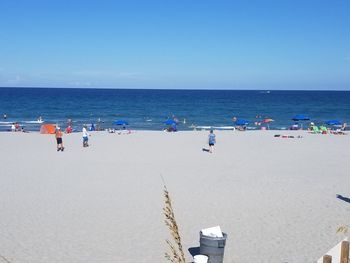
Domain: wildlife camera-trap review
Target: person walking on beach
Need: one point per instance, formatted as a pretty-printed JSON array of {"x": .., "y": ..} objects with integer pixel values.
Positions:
[
  {"x": 59, "y": 141},
  {"x": 85, "y": 137},
  {"x": 212, "y": 141}
]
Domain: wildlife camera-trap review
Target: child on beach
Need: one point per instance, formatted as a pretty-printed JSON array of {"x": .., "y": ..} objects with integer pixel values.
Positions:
[
  {"x": 69, "y": 129},
  {"x": 85, "y": 137},
  {"x": 59, "y": 141},
  {"x": 212, "y": 141}
]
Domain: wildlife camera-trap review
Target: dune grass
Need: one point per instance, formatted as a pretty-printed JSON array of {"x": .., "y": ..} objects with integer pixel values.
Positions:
[
  {"x": 176, "y": 254},
  {"x": 343, "y": 229}
]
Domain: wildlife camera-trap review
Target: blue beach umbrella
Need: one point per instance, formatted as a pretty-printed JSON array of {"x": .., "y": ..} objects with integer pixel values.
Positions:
[
  {"x": 301, "y": 117},
  {"x": 121, "y": 122},
  {"x": 170, "y": 122},
  {"x": 241, "y": 122},
  {"x": 333, "y": 122}
]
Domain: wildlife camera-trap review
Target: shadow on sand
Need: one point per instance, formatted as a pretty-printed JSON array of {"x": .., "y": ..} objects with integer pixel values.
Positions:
[
  {"x": 343, "y": 198},
  {"x": 194, "y": 251}
]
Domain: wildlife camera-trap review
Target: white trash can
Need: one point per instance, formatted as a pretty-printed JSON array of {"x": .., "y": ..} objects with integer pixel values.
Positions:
[{"x": 213, "y": 247}]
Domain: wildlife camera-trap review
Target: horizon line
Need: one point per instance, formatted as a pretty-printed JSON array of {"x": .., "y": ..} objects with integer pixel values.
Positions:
[{"x": 183, "y": 89}]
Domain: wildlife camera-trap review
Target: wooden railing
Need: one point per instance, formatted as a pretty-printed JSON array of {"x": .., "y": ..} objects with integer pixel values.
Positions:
[{"x": 344, "y": 254}]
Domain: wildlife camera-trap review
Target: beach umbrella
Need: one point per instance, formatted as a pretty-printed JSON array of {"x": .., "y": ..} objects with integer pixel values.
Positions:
[
  {"x": 333, "y": 122},
  {"x": 301, "y": 117},
  {"x": 241, "y": 122},
  {"x": 121, "y": 122},
  {"x": 170, "y": 122},
  {"x": 267, "y": 121}
]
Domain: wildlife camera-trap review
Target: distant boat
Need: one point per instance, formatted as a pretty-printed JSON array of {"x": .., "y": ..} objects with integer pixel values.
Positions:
[{"x": 265, "y": 91}]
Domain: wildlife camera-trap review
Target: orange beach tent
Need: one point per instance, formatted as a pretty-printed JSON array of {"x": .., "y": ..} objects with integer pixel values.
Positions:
[{"x": 48, "y": 129}]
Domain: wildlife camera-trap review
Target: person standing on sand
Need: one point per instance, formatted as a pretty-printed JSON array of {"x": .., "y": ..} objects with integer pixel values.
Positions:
[
  {"x": 85, "y": 137},
  {"x": 17, "y": 127},
  {"x": 59, "y": 141},
  {"x": 212, "y": 141}
]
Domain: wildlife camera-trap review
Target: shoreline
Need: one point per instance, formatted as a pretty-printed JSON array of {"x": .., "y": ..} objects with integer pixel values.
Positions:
[{"x": 180, "y": 131}]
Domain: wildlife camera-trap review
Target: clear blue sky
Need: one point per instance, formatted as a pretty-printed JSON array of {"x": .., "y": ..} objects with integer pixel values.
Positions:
[{"x": 281, "y": 44}]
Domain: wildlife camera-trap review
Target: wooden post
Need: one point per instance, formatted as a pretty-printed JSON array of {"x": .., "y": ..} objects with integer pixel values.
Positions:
[
  {"x": 344, "y": 252},
  {"x": 327, "y": 259}
]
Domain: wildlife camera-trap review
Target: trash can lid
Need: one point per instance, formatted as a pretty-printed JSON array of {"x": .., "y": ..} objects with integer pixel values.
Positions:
[
  {"x": 212, "y": 231},
  {"x": 224, "y": 236}
]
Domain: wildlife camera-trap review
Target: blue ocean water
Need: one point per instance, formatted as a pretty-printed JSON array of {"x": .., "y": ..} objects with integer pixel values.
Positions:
[{"x": 148, "y": 109}]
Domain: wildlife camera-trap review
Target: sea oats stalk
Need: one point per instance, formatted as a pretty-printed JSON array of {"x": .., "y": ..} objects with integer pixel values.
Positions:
[
  {"x": 343, "y": 229},
  {"x": 176, "y": 254}
]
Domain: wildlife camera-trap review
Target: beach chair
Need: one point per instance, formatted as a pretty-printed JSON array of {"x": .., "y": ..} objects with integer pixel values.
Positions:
[
  {"x": 338, "y": 132},
  {"x": 323, "y": 130},
  {"x": 315, "y": 130}
]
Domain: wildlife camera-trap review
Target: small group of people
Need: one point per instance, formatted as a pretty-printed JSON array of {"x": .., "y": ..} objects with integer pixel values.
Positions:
[
  {"x": 315, "y": 129},
  {"x": 59, "y": 138},
  {"x": 326, "y": 130},
  {"x": 15, "y": 127},
  {"x": 171, "y": 128},
  {"x": 171, "y": 124}
]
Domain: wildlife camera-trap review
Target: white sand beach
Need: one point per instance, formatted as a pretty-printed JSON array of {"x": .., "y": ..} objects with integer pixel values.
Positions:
[{"x": 274, "y": 197}]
